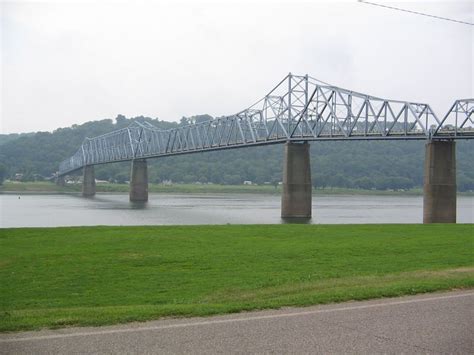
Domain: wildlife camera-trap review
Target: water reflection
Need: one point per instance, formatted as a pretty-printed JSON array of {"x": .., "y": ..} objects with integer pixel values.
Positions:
[
  {"x": 292, "y": 220},
  {"x": 138, "y": 205}
]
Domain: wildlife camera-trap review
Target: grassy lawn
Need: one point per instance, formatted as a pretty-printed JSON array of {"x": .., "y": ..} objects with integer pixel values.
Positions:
[
  {"x": 37, "y": 186},
  {"x": 49, "y": 187},
  {"x": 56, "y": 277}
]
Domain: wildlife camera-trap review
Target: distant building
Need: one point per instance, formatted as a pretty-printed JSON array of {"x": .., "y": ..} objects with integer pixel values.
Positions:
[
  {"x": 101, "y": 181},
  {"x": 247, "y": 182}
]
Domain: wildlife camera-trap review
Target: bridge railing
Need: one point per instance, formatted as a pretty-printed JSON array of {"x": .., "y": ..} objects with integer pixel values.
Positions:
[{"x": 298, "y": 108}]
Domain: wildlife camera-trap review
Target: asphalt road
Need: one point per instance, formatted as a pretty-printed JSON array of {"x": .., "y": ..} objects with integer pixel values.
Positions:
[{"x": 429, "y": 323}]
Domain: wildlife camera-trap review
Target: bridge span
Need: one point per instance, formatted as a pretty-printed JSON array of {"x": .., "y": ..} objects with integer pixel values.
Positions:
[{"x": 299, "y": 109}]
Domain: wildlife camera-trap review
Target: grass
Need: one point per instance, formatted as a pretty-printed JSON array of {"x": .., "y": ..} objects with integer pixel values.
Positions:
[
  {"x": 37, "y": 186},
  {"x": 57, "y": 277},
  {"x": 49, "y": 187}
]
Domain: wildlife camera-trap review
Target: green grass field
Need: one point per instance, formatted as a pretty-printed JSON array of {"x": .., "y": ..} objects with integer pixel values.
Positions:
[
  {"x": 49, "y": 187},
  {"x": 56, "y": 277}
]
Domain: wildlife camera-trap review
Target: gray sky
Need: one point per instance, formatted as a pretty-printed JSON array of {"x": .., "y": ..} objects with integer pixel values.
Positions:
[{"x": 67, "y": 63}]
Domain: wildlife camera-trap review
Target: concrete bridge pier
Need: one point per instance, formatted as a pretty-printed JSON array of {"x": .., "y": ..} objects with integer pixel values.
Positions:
[
  {"x": 88, "y": 181},
  {"x": 139, "y": 181},
  {"x": 60, "y": 181},
  {"x": 297, "y": 189},
  {"x": 439, "y": 189}
]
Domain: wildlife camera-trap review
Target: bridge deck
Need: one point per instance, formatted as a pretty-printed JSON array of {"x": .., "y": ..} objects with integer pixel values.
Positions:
[{"x": 299, "y": 108}]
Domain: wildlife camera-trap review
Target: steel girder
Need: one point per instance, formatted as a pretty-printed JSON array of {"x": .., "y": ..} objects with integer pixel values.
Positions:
[
  {"x": 458, "y": 122},
  {"x": 299, "y": 108}
]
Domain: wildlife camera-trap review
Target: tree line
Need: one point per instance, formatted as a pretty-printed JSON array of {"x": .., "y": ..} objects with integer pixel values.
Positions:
[{"x": 378, "y": 165}]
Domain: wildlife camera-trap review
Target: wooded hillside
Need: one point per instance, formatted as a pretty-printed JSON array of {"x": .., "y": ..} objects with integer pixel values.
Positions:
[{"x": 376, "y": 164}]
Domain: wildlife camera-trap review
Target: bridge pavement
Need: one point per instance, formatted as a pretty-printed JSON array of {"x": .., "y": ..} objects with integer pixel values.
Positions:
[{"x": 429, "y": 323}]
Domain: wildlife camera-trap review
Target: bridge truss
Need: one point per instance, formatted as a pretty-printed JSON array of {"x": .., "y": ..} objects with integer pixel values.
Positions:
[{"x": 299, "y": 108}]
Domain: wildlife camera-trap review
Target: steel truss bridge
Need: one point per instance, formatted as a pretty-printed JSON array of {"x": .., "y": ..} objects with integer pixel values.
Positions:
[{"x": 298, "y": 108}]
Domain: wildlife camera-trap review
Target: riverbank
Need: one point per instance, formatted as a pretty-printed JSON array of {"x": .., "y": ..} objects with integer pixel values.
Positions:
[
  {"x": 48, "y": 187},
  {"x": 57, "y": 277}
]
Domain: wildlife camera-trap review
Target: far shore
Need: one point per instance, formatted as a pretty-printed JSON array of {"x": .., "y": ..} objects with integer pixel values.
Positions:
[{"x": 45, "y": 187}]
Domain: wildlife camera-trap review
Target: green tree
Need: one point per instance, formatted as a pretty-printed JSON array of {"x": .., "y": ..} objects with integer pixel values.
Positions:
[
  {"x": 375, "y": 164},
  {"x": 364, "y": 183}
]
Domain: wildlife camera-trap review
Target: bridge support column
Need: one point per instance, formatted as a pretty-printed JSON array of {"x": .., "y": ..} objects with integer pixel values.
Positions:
[
  {"x": 439, "y": 189},
  {"x": 296, "y": 195},
  {"x": 88, "y": 181},
  {"x": 139, "y": 181},
  {"x": 60, "y": 181}
]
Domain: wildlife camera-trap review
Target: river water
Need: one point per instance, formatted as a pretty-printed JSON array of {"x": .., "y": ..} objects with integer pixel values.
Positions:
[{"x": 44, "y": 210}]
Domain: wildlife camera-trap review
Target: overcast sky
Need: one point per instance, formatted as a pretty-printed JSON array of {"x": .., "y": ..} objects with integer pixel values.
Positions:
[{"x": 68, "y": 63}]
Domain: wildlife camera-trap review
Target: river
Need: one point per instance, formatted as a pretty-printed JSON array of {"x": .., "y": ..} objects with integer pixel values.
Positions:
[{"x": 48, "y": 210}]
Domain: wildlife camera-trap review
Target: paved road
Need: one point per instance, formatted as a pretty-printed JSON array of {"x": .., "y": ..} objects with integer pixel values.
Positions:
[{"x": 431, "y": 323}]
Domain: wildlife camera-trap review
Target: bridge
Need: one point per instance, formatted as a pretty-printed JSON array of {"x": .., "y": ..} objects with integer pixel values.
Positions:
[{"x": 299, "y": 109}]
